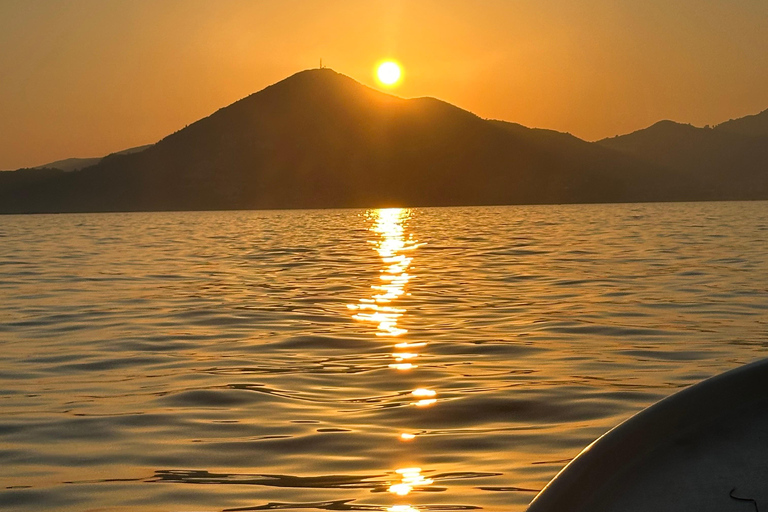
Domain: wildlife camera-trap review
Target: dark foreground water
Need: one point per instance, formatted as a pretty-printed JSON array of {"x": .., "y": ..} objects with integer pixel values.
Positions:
[{"x": 434, "y": 359}]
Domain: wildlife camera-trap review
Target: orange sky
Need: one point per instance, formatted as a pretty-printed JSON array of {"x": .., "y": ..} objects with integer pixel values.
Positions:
[{"x": 88, "y": 77}]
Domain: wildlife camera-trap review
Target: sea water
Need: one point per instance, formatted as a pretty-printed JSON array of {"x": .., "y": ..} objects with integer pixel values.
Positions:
[{"x": 398, "y": 360}]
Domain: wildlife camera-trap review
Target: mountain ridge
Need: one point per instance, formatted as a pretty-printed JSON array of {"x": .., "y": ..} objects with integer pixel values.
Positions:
[
  {"x": 728, "y": 161},
  {"x": 754, "y": 125},
  {"x": 320, "y": 139}
]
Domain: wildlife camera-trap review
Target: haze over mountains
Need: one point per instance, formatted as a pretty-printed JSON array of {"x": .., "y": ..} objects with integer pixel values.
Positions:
[{"x": 320, "y": 139}]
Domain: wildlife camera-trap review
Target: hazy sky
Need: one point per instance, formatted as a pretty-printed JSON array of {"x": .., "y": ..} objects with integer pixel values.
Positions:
[{"x": 89, "y": 77}]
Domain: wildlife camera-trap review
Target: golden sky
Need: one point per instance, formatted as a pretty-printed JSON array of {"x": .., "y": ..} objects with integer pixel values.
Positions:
[{"x": 84, "y": 78}]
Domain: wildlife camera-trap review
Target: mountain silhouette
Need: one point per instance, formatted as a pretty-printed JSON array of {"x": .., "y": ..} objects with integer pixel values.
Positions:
[
  {"x": 729, "y": 161},
  {"x": 70, "y": 164},
  {"x": 320, "y": 139},
  {"x": 756, "y": 125},
  {"x": 75, "y": 164}
]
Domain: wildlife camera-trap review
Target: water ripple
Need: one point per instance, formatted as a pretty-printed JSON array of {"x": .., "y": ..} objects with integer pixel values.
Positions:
[{"x": 432, "y": 359}]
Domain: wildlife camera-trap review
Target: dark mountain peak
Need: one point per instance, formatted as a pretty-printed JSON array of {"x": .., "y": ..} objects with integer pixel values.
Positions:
[
  {"x": 664, "y": 133},
  {"x": 320, "y": 77},
  {"x": 325, "y": 83},
  {"x": 319, "y": 84},
  {"x": 315, "y": 76},
  {"x": 318, "y": 107},
  {"x": 667, "y": 124},
  {"x": 308, "y": 96},
  {"x": 324, "y": 80},
  {"x": 665, "y": 128}
]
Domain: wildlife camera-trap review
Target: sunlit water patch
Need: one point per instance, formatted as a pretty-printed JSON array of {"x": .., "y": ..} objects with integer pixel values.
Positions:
[{"x": 396, "y": 360}]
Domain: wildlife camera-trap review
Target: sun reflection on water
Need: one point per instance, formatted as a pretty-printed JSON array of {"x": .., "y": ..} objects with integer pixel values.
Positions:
[
  {"x": 403, "y": 366},
  {"x": 384, "y": 311},
  {"x": 410, "y": 478},
  {"x": 402, "y": 508},
  {"x": 393, "y": 247}
]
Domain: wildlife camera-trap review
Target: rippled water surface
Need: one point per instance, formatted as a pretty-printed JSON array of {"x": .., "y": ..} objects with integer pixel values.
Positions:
[{"x": 433, "y": 359}]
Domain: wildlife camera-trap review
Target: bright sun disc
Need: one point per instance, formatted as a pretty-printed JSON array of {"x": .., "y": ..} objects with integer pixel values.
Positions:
[{"x": 388, "y": 73}]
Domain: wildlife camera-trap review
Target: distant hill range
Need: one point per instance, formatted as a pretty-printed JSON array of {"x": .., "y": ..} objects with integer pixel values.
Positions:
[
  {"x": 75, "y": 164},
  {"x": 320, "y": 139},
  {"x": 729, "y": 161}
]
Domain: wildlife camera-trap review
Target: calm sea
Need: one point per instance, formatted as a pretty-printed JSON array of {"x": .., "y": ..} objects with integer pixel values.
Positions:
[{"x": 428, "y": 359}]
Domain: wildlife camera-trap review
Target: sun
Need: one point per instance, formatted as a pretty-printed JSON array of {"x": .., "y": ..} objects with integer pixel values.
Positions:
[{"x": 389, "y": 73}]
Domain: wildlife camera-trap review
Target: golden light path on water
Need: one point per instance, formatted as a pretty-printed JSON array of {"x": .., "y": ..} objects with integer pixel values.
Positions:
[{"x": 382, "y": 310}]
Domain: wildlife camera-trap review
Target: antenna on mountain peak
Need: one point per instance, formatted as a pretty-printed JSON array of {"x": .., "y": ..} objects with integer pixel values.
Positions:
[{"x": 321, "y": 63}]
